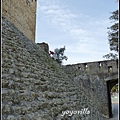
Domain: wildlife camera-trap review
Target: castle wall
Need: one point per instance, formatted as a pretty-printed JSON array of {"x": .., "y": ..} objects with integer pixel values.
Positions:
[
  {"x": 22, "y": 13},
  {"x": 97, "y": 86},
  {"x": 101, "y": 68},
  {"x": 34, "y": 87}
]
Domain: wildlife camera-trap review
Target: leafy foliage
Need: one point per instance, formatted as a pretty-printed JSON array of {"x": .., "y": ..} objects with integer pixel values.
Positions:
[
  {"x": 60, "y": 54},
  {"x": 115, "y": 88},
  {"x": 111, "y": 56},
  {"x": 113, "y": 36}
]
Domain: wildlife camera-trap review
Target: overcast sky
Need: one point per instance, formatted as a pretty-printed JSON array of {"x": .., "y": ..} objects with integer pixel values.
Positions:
[{"x": 79, "y": 25}]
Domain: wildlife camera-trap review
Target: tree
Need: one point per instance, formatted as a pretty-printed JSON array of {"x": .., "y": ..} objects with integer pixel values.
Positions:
[
  {"x": 113, "y": 36},
  {"x": 115, "y": 88},
  {"x": 60, "y": 55}
]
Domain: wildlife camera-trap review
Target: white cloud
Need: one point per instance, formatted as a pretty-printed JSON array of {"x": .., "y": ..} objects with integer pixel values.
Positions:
[
  {"x": 60, "y": 17},
  {"x": 88, "y": 35}
]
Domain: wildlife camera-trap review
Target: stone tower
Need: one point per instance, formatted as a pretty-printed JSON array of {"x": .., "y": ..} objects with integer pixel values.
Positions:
[{"x": 21, "y": 13}]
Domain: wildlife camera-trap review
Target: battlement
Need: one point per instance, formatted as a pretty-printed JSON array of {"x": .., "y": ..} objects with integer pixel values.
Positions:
[
  {"x": 106, "y": 67},
  {"x": 21, "y": 13}
]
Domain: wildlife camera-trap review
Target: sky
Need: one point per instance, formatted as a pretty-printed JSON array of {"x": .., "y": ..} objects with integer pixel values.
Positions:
[{"x": 79, "y": 25}]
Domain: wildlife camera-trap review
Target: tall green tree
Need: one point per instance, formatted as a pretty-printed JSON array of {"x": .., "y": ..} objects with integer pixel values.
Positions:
[
  {"x": 113, "y": 36},
  {"x": 59, "y": 55}
]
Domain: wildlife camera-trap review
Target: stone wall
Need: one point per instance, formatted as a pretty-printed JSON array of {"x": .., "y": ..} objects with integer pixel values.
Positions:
[
  {"x": 22, "y": 13},
  {"x": 44, "y": 46},
  {"x": 94, "y": 86},
  {"x": 34, "y": 87},
  {"x": 105, "y": 67},
  {"x": 102, "y": 70}
]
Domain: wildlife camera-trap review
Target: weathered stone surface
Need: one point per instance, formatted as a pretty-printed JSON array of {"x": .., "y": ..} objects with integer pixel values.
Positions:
[
  {"x": 44, "y": 46},
  {"x": 96, "y": 84},
  {"x": 22, "y": 14},
  {"x": 11, "y": 117},
  {"x": 34, "y": 87}
]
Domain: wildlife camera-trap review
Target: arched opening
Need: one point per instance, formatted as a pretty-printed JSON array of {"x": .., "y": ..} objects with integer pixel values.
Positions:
[
  {"x": 85, "y": 66},
  {"x": 114, "y": 98},
  {"x": 112, "y": 91},
  {"x": 100, "y": 66}
]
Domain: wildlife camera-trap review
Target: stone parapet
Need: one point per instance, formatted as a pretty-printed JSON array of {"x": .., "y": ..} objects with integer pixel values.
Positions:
[{"x": 44, "y": 46}]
